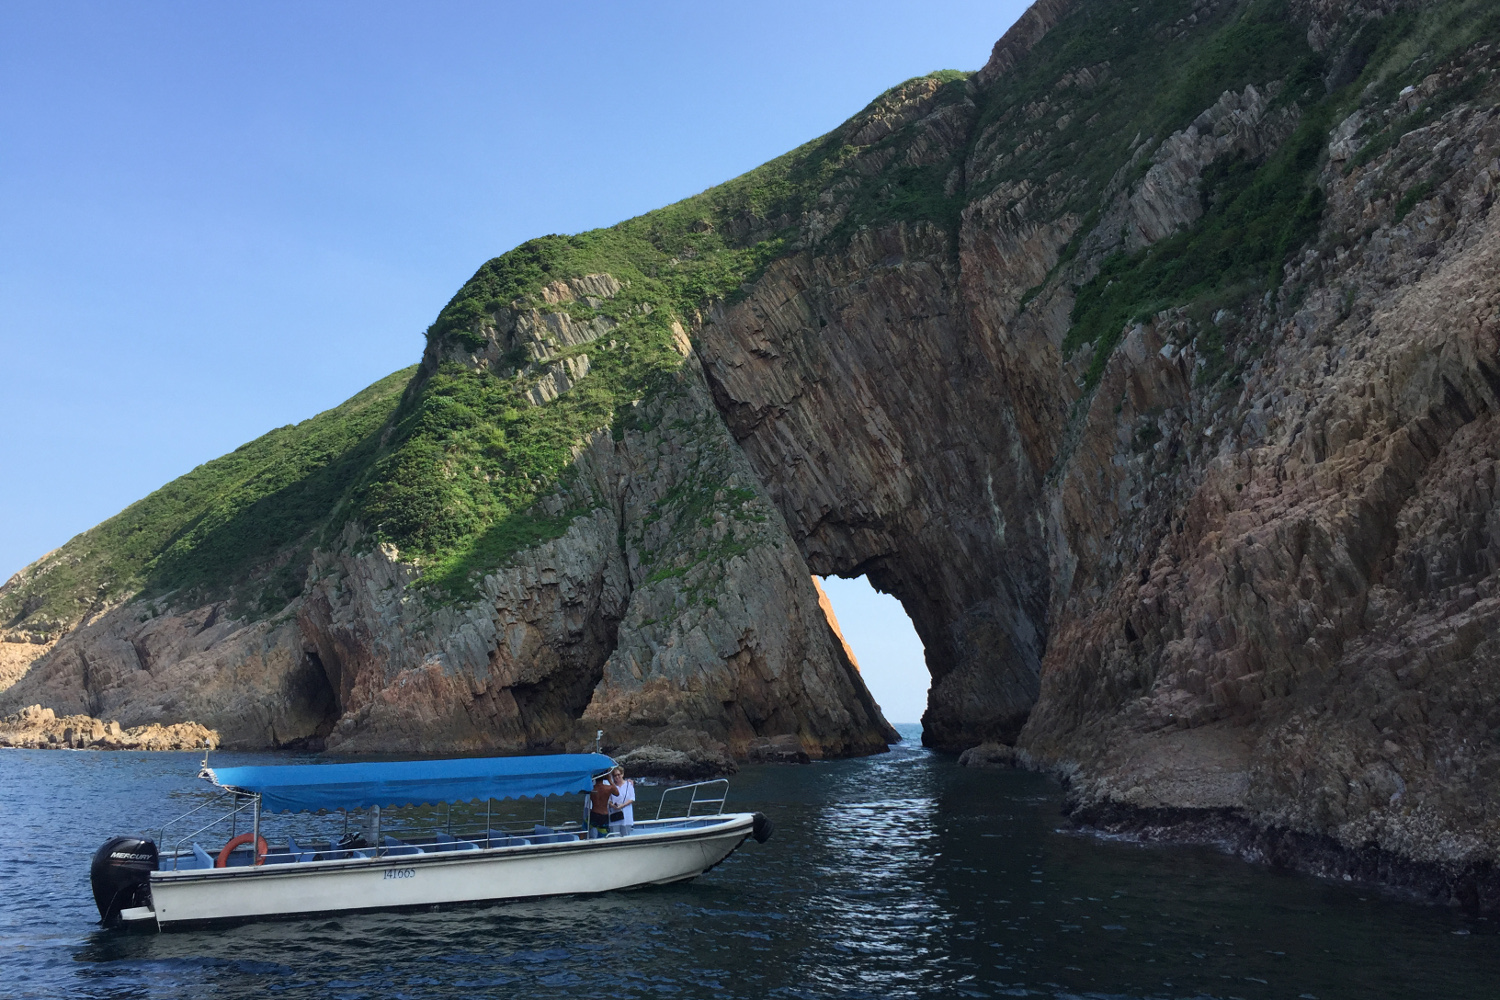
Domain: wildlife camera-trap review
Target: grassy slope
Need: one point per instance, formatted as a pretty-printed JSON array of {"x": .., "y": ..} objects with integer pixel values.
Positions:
[
  {"x": 470, "y": 457},
  {"x": 230, "y": 520},
  {"x": 454, "y": 482}
]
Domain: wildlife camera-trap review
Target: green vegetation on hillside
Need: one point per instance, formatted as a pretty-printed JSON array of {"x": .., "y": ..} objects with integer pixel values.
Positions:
[
  {"x": 454, "y": 482},
  {"x": 470, "y": 456},
  {"x": 1109, "y": 79},
  {"x": 1171, "y": 63},
  {"x": 229, "y": 520},
  {"x": 455, "y": 475},
  {"x": 1155, "y": 78},
  {"x": 1258, "y": 214}
]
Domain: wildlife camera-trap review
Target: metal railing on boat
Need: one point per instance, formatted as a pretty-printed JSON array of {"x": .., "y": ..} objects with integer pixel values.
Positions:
[
  {"x": 720, "y": 784},
  {"x": 241, "y": 801}
]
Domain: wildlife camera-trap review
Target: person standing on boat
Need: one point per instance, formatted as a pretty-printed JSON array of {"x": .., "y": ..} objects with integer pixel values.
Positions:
[
  {"x": 622, "y": 804},
  {"x": 599, "y": 805}
]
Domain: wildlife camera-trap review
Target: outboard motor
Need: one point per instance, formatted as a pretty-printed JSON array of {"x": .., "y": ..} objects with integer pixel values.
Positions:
[
  {"x": 762, "y": 828},
  {"x": 121, "y": 876}
]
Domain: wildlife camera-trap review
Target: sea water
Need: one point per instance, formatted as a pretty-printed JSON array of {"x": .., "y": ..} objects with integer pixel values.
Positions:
[{"x": 901, "y": 875}]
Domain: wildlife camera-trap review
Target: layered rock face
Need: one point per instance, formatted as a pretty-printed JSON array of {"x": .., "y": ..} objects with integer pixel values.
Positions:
[
  {"x": 869, "y": 409},
  {"x": 1268, "y": 596},
  {"x": 1296, "y": 620},
  {"x": 155, "y": 665},
  {"x": 16, "y": 658},
  {"x": 677, "y": 602}
]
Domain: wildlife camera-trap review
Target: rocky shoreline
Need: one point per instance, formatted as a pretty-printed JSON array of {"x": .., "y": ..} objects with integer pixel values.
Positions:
[
  {"x": 38, "y": 728},
  {"x": 1472, "y": 885}
]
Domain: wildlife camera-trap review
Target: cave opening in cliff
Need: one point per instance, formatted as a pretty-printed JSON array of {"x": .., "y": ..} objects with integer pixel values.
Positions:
[{"x": 885, "y": 645}]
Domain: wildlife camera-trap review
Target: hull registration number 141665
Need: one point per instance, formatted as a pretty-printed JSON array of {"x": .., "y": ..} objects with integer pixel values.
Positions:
[{"x": 400, "y": 873}]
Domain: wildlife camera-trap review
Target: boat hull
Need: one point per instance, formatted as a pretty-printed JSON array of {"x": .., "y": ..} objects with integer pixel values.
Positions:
[{"x": 210, "y": 896}]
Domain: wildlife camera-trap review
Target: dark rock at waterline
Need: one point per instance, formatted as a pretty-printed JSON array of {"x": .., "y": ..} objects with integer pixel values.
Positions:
[
  {"x": 990, "y": 755},
  {"x": 777, "y": 750},
  {"x": 675, "y": 752},
  {"x": 1471, "y": 885},
  {"x": 665, "y": 762}
]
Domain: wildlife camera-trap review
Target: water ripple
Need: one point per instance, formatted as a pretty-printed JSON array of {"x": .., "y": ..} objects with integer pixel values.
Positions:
[{"x": 892, "y": 877}]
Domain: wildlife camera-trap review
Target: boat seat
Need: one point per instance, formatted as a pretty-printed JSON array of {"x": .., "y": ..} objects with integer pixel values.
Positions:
[
  {"x": 448, "y": 842},
  {"x": 542, "y": 831},
  {"x": 499, "y": 838},
  {"x": 201, "y": 857},
  {"x": 297, "y": 853},
  {"x": 401, "y": 848}
]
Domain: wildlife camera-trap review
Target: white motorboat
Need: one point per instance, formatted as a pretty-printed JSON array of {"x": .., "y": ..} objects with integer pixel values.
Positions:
[{"x": 137, "y": 884}]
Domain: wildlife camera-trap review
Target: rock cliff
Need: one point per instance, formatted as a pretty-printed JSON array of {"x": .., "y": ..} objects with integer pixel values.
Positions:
[
  {"x": 673, "y": 601},
  {"x": 1153, "y": 367}
]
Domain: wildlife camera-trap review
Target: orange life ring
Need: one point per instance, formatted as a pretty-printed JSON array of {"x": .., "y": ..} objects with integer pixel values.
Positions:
[{"x": 261, "y": 847}]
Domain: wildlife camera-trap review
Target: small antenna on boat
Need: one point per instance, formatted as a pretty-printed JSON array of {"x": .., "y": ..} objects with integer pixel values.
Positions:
[{"x": 598, "y": 737}]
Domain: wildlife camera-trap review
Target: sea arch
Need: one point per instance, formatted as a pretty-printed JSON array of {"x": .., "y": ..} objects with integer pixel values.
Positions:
[{"x": 877, "y": 412}]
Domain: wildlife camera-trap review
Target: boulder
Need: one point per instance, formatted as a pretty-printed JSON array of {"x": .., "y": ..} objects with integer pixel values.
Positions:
[
  {"x": 989, "y": 755},
  {"x": 677, "y": 753}
]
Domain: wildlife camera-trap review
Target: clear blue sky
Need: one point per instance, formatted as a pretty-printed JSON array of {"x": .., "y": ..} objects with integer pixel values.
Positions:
[
  {"x": 885, "y": 644},
  {"x": 223, "y": 217}
]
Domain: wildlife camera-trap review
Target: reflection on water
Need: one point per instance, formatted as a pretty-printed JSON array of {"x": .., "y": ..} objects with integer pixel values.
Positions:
[
  {"x": 880, "y": 910},
  {"x": 896, "y": 876}
]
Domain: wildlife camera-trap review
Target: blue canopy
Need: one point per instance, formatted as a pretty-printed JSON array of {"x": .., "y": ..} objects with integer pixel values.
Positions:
[{"x": 311, "y": 787}]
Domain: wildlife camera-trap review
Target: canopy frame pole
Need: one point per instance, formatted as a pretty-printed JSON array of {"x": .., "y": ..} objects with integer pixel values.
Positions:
[
  {"x": 544, "y": 809},
  {"x": 487, "y": 803},
  {"x": 255, "y": 830},
  {"x": 375, "y": 812}
]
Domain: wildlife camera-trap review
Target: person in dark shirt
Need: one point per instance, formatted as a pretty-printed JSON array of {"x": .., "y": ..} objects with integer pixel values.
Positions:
[{"x": 599, "y": 805}]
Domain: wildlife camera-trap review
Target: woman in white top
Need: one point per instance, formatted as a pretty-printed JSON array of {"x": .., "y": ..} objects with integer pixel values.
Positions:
[{"x": 622, "y": 804}]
